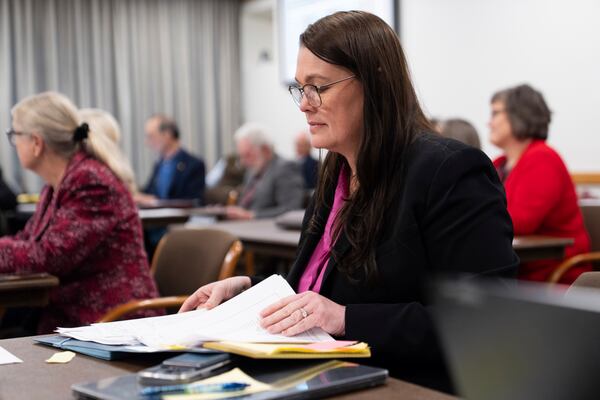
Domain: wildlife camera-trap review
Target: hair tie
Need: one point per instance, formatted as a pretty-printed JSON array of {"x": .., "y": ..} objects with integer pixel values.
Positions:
[{"x": 81, "y": 133}]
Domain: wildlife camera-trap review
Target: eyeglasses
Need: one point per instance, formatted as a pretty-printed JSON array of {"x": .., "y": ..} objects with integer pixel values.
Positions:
[
  {"x": 312, "y": 92},
  {"x": 11, "y": 133}
]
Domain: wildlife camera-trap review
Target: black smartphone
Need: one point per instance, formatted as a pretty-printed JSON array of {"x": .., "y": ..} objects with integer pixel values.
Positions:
[
  {"x": 184, "y": 368},
  {"x": 195, "y": 360}
]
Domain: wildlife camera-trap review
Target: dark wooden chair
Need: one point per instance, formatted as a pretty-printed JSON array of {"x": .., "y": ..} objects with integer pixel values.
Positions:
[
  {"x": 185, "y": 259},
  {"x": 591, "y": 218}
]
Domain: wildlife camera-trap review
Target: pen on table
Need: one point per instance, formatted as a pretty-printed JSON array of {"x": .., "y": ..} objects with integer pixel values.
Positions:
[{"x": 194, "y": 388}]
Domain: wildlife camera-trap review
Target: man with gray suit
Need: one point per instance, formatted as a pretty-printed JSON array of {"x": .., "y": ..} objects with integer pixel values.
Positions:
[{"x": 272, "y": 185}]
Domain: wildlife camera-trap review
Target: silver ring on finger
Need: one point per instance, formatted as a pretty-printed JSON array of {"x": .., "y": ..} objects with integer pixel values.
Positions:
[{"x": 303, "y": 312}]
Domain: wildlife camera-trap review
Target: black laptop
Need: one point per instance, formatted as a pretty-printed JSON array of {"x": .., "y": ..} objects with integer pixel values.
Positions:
[
  {"x": 291, "y": 379},
  {"x": 522, "y": 341}
]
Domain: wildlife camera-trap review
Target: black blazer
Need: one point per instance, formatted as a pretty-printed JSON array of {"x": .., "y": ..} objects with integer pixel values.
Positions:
[
  {"x": 188, "y": 181},
  {"x": 449, "y": 217}
]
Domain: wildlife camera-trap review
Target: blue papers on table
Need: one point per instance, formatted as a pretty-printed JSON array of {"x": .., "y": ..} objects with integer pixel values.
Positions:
[
  {"x": 235, "y": 320},
  {"x": 105, "y": 351}
]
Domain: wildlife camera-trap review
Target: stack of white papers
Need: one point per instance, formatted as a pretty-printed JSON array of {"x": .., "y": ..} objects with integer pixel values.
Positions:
[{"x": 235, "y": 320}]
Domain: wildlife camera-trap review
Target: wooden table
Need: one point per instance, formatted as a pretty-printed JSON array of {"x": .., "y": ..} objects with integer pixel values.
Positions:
[
  {"x": 531, "y": 248},
  {"x": 34, "y": 379},
  {"x": 32, "y": 290},
  {"x": 175, "y": 211},
  {"x": 158, "y": 216},
  {"x": 264, "y": 236},
  {"x": 163, "y": 217}
]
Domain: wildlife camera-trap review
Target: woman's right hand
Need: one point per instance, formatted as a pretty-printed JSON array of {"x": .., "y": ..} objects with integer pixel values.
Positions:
[{"x": 213, "y": 294}]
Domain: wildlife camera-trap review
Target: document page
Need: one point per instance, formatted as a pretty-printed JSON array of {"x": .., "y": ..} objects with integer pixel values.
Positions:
[
  {"x": 8, "y": 358},
  {"x": 123, "y": 332},
  {"x": 235, "y": 320}
]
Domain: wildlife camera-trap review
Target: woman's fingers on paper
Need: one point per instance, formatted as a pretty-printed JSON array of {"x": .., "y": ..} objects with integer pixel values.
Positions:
[
  {"x": 197, "y": 299},
  {"x": 273, "y": 307},
  {"x": 190, "y": 303},
  {"x": 298, "y": 313},
  {"x": 318, "y": 312},
  {"x": 294, "y": 318},
  {"x": 211, "y": 295},
  {"x": 279, "y": 315},
  {"x": 278, "y": 305},
  {"x": 215, "y": 297},
  {"x": 301, "y": 326}
]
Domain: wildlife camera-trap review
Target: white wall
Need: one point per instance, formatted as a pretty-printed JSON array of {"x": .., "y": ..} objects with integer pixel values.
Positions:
[
  {"x": 462, "y": 51},
  {"x": 265, "y": 99}
]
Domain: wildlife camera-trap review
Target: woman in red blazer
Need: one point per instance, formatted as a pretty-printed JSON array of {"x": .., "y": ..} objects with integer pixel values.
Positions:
[
  {"x": 85, "y": 230},
  {"x": 540, "y": 194}
]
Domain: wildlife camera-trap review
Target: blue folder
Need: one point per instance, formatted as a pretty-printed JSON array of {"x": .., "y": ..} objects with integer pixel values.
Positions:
[{"x": 105, "y": 351}]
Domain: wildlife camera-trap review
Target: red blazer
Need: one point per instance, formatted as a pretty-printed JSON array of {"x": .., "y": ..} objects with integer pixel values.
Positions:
[
  {"x": 542, "y": 201},
  {"x": 89, "y": 235}
]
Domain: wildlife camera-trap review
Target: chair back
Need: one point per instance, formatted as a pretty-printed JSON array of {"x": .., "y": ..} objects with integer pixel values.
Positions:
[
  {"x": 587, "y": 279},
  {"x": 188, "y": 258},
  {"x": 591, "y": 218}
]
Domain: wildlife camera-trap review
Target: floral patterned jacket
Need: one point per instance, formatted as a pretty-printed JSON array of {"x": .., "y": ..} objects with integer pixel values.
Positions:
[{"x": 88, "y": 234}]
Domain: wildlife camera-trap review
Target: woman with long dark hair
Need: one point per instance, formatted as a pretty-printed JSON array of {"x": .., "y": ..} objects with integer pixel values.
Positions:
[{"x": 394, "y": 205}]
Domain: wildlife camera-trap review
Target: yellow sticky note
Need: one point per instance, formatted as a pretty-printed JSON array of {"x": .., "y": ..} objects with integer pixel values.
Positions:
[
  {"x": 62, "y": 357},
  {"x": 176, "y": 347}
]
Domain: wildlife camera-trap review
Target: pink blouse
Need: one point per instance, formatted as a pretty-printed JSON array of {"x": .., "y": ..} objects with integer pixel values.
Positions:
[{"x": 312, "y": 278}]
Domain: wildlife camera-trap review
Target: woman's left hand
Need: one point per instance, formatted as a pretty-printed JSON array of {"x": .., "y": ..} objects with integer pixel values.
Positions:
[{"x": 300, "y": 312}]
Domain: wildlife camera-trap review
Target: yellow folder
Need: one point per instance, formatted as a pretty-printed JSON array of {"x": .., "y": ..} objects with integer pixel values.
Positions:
[{"x": 289, "y": 350}]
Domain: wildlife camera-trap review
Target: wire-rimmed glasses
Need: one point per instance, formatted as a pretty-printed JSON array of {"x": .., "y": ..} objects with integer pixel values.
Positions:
[{"x": 312, "y": 92}]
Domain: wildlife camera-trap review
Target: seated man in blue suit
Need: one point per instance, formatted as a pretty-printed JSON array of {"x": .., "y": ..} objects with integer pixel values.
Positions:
[
  {"x": 309, "y": 166},
  {"x": 177, "y": 174}
]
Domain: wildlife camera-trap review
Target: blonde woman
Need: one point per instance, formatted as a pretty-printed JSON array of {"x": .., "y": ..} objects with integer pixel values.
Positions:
[
  {"x": 85, "y": 229},
  {"x": 104, "y": 126}
]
